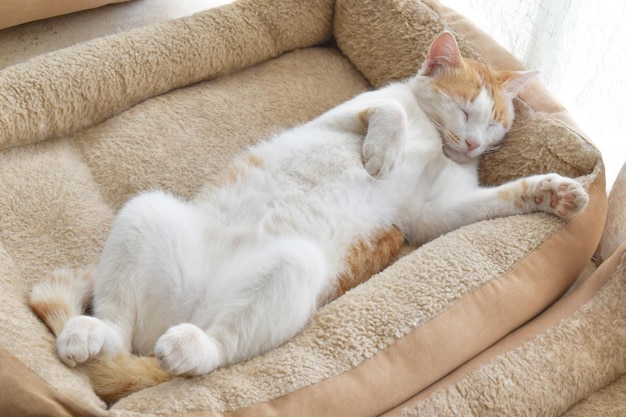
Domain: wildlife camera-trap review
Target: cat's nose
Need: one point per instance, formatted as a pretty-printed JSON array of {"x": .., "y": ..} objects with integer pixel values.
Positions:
[{"x": 471, "y": 144}]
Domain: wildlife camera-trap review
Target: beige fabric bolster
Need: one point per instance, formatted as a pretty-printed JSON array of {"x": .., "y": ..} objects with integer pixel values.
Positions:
[{"x": 70, "y": 89}]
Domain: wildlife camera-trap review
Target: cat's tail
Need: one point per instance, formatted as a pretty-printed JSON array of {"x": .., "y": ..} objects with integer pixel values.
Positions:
[
  {"x": 115, "y": 377},
  {"x": 65, "y": 294}
]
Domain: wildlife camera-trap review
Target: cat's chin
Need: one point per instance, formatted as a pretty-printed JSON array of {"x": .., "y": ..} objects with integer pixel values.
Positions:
[{"x": 457, "y": 156}]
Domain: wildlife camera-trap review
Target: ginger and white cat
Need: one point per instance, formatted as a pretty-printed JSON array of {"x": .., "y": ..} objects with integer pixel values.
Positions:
[{"x": 241, "y": 268}]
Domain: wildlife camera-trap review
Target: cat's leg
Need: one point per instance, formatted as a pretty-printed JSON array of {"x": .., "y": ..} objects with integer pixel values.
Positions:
[
  {"x": 85, "y": 337},
  {"x": 385, "y": 138},
  {"x": 60, "y": 301},
  {"x": 108, "y": 332},
  {"x": 287, "y": 278},
  {"x": 140, "y": 248},
  {"x": 550, "y": 193},
  {"x": 186, "y": 349},
  {"x": 272, "y": 295},
  {"x": 381, "y": 122}
]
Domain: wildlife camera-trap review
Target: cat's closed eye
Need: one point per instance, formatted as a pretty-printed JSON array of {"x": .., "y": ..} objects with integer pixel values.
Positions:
[{"x": 465, "y": 112}]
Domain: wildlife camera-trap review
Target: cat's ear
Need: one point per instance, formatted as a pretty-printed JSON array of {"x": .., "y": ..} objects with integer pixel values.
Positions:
[
  {"x": 513, "y": 81},
  {"x": 443, "y": 52}
]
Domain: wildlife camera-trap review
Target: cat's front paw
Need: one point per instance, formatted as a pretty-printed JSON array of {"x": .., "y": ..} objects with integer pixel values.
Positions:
[
  {"x": 81, "y": 339},
  {"x": 560, "y": 195},
  {"x": 385, "y": 138},
  {"x": 186, "y": 350},
  {"x": 379, "y": 158}
]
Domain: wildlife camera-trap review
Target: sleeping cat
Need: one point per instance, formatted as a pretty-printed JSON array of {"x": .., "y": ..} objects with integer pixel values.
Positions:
[{"x": 241, "y": 268}]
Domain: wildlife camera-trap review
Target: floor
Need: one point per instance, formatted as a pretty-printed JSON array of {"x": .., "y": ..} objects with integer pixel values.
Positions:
[{"x": 20, "y": 43}]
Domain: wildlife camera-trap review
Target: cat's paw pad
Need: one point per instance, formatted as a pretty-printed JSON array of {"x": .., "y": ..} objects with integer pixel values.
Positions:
[
  {"x": 81, "y": 339},
  {"x": 562, "y": 196},
  {"x": 186, "y": 350}
]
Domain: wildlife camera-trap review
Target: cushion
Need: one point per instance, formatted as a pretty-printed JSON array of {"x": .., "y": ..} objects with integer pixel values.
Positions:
[
  {"x": 615, "y": 228},
  {"x": 609, "y": 401},
  {"x": 576, "y": 347},
  {"x": 169, "y": 105},
  {"x": 15, "y": 12}
]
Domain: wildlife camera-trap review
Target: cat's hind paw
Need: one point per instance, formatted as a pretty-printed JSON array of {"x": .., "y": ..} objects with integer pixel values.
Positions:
[
  {"x": 560, "y": 195},
  {"x": 81, "y": 339},
  {"x": 185, "y": 349}
]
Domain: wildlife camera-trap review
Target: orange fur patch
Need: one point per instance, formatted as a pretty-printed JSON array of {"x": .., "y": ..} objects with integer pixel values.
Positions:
[
  {"x": 62, "y": 295},
  {"x": 113, "y": 378},
  {"x": 54, "y": 313},
  {"x": 364, "y": 116},
  {"x": 253, "y": 160},
  {"x": 467, "y": 83},
  {"x": 366, "y": 258},
  {"x": 238, "y": 169},
  {"x": 516, "y": 194},
  {"x": 462, "y": 84}
]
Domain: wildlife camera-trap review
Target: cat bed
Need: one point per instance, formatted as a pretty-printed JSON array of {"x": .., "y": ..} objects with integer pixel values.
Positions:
[{"x": 455, "y": 327}]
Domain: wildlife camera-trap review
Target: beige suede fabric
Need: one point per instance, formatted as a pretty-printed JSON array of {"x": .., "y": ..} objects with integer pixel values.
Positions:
[{"x": 168, "y": 106}]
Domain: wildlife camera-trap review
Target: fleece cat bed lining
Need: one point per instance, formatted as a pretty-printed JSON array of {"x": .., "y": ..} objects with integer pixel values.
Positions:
[{"x": 83, "y": 129}]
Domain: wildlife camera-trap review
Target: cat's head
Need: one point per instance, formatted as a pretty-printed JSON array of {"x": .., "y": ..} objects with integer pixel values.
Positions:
[{"x": 470, "y": 103}]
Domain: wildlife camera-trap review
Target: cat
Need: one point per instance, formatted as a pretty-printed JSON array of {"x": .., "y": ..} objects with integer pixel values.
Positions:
[{"x": 190, "y": 286}]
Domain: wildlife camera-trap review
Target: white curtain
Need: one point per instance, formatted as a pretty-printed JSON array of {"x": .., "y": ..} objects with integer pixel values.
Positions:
[{"x": 580, "y": 48}]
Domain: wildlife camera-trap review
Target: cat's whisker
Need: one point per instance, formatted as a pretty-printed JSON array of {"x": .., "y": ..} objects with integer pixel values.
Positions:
[
  {"x": 492, "y": 148},
  {"x": 447, "y": 134},
  {"x": 452, "y": 137},
  {"x": 436, "y": 123}
]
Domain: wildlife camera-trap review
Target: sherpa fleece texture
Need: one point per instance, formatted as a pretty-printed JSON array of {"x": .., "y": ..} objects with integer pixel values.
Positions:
[
  {"x": 168, "y": 106},
  {"x": 574, "y": 348}
]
